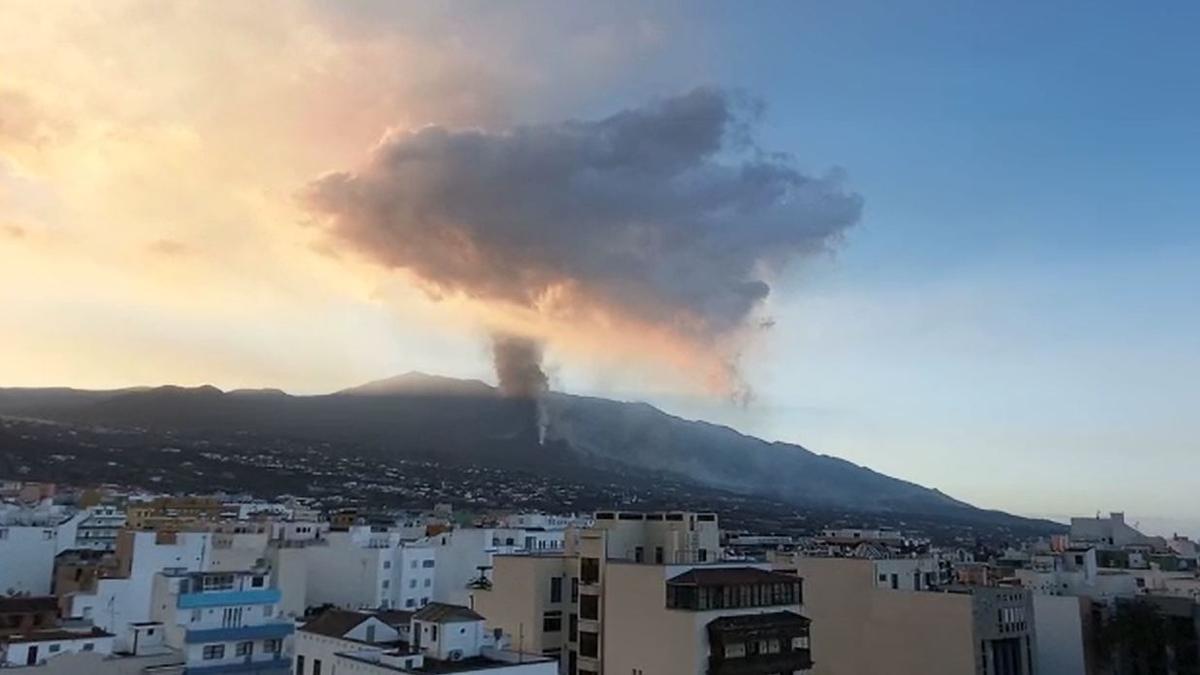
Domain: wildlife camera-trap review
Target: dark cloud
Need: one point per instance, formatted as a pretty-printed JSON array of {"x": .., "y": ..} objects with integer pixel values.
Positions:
[
  {"x": 518, "y": 363},
  {"x": 667, "y": 214}
]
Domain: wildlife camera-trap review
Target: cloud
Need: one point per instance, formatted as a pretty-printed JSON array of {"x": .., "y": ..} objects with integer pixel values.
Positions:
[
  {"x": 12, "y": 230},
  {"x": 665, "y": 216}
]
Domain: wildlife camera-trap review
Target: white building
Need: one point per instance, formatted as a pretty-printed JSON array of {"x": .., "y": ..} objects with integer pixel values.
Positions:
[
  {"x": 32, "y": 633},
  {"x": 375, "y": 570},
  {"x": 224, "y": 622},
  {"x": 119, "y": 604},
  {"x": 335, "y": 631},
  {"x": 464, "y": 555},
  {"x": 97, "y": 530},
  {"x": 443, "y": 639},
  {"x": 29, "y": 541}
]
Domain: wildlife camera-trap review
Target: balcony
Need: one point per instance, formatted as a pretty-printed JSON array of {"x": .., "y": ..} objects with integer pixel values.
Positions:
[
  {"x": 263, "y": 631},
  {"x": 261, "y": 596},
  {"x": 759, "y": 644}
]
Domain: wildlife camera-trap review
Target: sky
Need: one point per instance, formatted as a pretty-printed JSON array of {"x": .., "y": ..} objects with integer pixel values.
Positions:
[{"x": 1011, "y": 318}]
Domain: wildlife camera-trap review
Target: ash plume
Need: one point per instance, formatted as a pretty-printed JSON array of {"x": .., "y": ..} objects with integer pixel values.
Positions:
[
  {"x": 518, "y": 363},
  {"x": 664, "y": 218}
]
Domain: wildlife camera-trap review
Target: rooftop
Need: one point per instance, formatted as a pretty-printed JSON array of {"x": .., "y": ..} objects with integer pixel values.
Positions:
[
  {"x": 731, "y": 576},
  {"x": 440, "y": 612}
]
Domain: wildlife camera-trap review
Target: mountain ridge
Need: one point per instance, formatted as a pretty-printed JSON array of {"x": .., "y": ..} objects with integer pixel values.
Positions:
[{"x": 467, "y": 422}]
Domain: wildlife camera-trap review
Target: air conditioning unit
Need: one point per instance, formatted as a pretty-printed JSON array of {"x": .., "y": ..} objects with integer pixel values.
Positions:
[{"x": 456, "y": 655}]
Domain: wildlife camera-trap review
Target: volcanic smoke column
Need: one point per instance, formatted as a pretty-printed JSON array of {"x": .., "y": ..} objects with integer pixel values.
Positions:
[
  {"x": 518, "y": 363},
  {"x": 661, "y": 228}
]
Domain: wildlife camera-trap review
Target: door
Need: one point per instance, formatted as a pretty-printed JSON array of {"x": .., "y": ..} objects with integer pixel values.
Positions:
[{"x": 31, "y": 656}]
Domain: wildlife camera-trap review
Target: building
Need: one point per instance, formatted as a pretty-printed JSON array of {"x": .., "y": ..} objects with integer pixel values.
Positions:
[
  {"x": 29, "y": 541},
  {"x": 862, "y": 625},
  {"x": 374, "y": 569},
  {"x": 97, "y": 530},
  {"x": 226, "y": 622},
  {"x": 439, "y": 638},
  {"x": 319, "y": 641},
  {"x": 464, "y": 555},
  {"x": 32, "y": 633},
  {"x": 638, "y": 581},
  {"x": 1111, "y": 531}
]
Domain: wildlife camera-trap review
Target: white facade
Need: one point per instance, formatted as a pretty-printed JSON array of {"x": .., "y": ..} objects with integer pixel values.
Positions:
[
  {"x": 97, "y": 530},
  {"x": 28, "y": 544},
  {"x": 31, "y": 652},
  {"x": 116, "y": 604},
  {"x": 223, "y": 619},
  {"x": 362, "y": 569},
  {"x": 317, "y": 652}
]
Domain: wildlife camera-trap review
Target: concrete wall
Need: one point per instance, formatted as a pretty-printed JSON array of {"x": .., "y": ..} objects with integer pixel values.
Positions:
[
  {"x": 519, "y": 598},
  {"x": 858, "y": 629},
  {"x": 1058, "y": 622},
  {"x": 27, "y": 559},
  {"x": 17, "y": 653},
  {"x": 639, "y": 632}
]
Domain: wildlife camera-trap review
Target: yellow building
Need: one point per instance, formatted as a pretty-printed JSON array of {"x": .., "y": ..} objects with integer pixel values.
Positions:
[{"x": 647, "y": 594}]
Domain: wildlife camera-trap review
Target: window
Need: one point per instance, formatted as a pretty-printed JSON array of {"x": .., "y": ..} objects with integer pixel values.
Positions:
[
  {"x": 427, "y": 564},
  {"x": 735, "y": 650},
  {"x": 3, "y": 533},
  {"x": 257, "y": 582},
  {"x": 244, "y": 649},
  {"x": 386, "y": 583},
  {"x": 412, "y": 583},
  {"x": 387, "y": 564},
  {"x": 574, "y": 589},
  {"x": 272, "y": 646},
  {"x": 589, "y": 645},
  {"x": 424, "y": 601},
  {"x": 316, "y": 667},
  {"x": 556, "y": 589},
  {"x": 552, "y": 622},
  {"x": 573, "y": 627},
  {"x": 589, "y": 570},
  {"x": 218, "y": 582},
  {"x": 589, "y": 607},
  {"x": 268, "y": 610},
  {"x": 370, "y": 633},
  {"x": 428, "y": 583},
  {"x": 54, "y": 649},
  {"x": 213, "y": 652},
  {"x": 639, "y": 554},
  {"x": 89, "y": 646},
  {"x": 197, "y": 614},
  {"x": 702, "y": 555},
  {"x": 410, "y": 603},
  {"x": 433, "y": 632},
  {"x": 658, "y": 555}
]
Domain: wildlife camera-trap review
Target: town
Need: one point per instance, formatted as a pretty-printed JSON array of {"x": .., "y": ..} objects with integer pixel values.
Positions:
[{"x": 105, "y": 580}]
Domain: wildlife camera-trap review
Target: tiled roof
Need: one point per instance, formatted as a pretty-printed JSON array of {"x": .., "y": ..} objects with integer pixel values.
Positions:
[
  {"x": 440, "y": 612},
  {"x": 730, "y": 576},
  {"x": 763, "y": 620},
  {"x": 335, "y": 623}
]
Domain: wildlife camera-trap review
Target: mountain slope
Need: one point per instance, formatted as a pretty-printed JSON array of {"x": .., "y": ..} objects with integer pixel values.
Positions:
[{"x": 465, "y": 422}]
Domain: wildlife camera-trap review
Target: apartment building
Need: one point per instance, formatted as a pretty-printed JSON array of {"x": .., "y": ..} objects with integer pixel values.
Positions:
[
  {"x": 375, "y": 570},
  {"x": 223, "y": 622},
  {"x": 97, "y": 530},
  {"x": 29, "y": 541},
  {"x": 862, "y": 625},
  {"x": 636, "y": 582}
]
